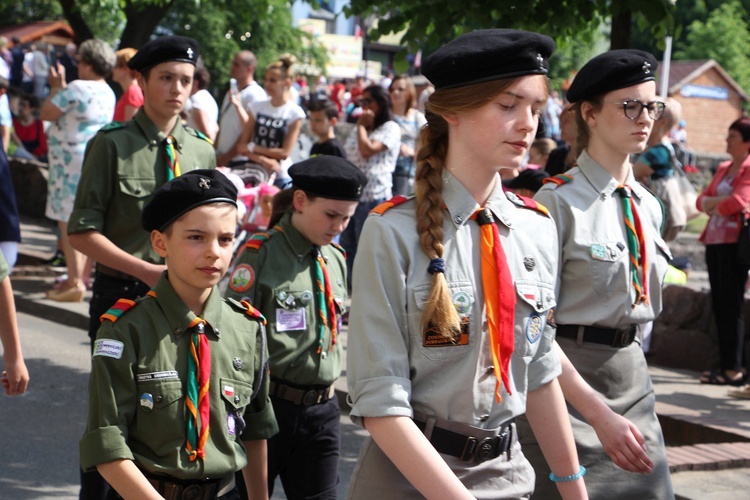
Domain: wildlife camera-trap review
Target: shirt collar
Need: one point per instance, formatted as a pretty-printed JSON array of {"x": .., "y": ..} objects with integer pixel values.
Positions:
[
  {"x": 154, "y": 135},
  {"x": 461, "y": 205},
  {"x": 299, "y": 244},
  {"x": 602, "y": 180},
  {"x": 179, "y": 315}
]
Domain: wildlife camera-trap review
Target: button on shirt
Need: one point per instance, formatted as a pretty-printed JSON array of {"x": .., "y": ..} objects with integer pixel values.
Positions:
[
  {"x": 390, "y": 371},
  {"x": 154, "y": 347},
  {"x": 595, "y": 281},
  {"x": 121, "y": 170}
]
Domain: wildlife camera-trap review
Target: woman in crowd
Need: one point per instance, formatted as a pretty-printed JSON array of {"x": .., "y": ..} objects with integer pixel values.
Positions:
[
  {"x": 201, "y": 109},
  {"x": 725, "y": 199},
  {"x": 373, "y": 146},
  {"x": 410, "y": 121},
  {"x": 274, "y": 125},
  {"x": 132, "y": 94},
  {"x": 612, "y": 263},
  {"x": 77, "y": 111},
  {"x": 449, "y": 341}
]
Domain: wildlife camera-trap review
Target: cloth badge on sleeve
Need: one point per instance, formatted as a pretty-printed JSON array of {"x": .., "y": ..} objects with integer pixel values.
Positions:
[
  {"x": 109, "y": 348},
  {"x": 534, "y": 328},
  {"x": 242, "y": 278},
  {"x": 228, "y": 391},
  {"x": 231, "y": 424}
]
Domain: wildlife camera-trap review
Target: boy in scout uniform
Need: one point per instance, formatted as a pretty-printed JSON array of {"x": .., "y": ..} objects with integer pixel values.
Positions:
[
  {"x": 179, "y": 389},
  {"x": 296, "y": 277},
  {"x": 124, "y": 165}
]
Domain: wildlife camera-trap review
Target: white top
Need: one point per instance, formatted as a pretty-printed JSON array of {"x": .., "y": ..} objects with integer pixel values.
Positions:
[
  {"x": 379, "y": 167},
  {"x": 272, "y": 125},
  {"x": 230, "y": 128},
  {"x": 204, "y": 101},
  {"x": 87, "y": 106}
]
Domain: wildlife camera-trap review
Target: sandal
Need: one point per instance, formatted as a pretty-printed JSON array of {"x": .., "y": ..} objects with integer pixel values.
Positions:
[
  {"x": 741, "y": 393},
  {"x": 719, "y": 377}
]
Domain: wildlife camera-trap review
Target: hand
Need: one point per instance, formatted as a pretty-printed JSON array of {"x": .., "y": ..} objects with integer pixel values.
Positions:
[
  {"x": 270, "y": 164},
  {"x": 152, "y": 273},
  {"x": 624, "y": 443},
  {"x": 366, "y": 119},
  {"x": 15, "y": 379},
  {"x": 56, "y": 76},
  {"x": 235, "y": 100}
]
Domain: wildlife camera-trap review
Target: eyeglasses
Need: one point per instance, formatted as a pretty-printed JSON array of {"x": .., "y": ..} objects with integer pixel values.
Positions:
[
  {"x": 365, "y": 102},
  {"x": 633, "y": 108}
]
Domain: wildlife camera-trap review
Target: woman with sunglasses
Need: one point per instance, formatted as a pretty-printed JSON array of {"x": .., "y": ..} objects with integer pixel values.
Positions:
[
  {"x": 611, "y": 267},
  {"x": 373, "y": 146}
]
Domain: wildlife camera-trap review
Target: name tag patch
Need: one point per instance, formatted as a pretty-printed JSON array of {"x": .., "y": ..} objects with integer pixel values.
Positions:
[
  {"x": 290, "y": 320},
  {"x": 109, "y": 348},
  {"x": 144, "y": 377}
]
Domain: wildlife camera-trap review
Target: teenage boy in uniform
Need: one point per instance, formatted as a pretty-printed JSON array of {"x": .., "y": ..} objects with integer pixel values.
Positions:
[
  {"x": 124, "y": 165},
  {"x": 179, "y": 389}
]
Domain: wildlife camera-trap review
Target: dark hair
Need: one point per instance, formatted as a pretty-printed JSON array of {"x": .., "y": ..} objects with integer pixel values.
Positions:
[
  {"x": 31, "y": 99},
  {"x": 324, "y": 105},
  {"x": 283, "y": 202},
  {"x": 201, "y": 76},
  {"x": 742, "y": 125},
  {"x": 383, "y": 100}
]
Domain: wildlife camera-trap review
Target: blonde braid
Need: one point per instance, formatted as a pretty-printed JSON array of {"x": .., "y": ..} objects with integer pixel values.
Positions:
[{"x": 439, "y": 312}]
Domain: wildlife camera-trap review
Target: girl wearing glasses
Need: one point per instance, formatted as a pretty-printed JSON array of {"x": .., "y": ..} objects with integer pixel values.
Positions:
[{"x": 611, "y": 266}]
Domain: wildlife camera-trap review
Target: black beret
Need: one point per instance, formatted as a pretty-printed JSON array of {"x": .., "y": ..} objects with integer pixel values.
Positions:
[
  {"x": 610, "y": 71},
  {"x": 485, "y": 55},
  {"x": 330, "y": 177},
  {"x": 530, "y": 178},
  {"x": 184, "y": 193},
  {"x": 165, "y": 49}
]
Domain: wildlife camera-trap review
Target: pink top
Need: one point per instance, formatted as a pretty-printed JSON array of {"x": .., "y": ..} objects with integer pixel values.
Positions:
[
  {"x": 725, "y": 228},
  {"x": 132, "y": 97}
]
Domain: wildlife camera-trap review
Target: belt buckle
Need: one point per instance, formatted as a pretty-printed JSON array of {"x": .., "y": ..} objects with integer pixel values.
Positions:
[
  {"x": 311, "y": 397},
  {"x": 191, "y": 492},
  {"x": 487, "y": 449},
  {"x": 624, "y": 337}
]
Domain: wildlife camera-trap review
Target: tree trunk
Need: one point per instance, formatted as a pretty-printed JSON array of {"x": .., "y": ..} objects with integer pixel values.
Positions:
[
  {"x": 81, "y": 30},
  {"x": 141, "y": 22},
  {"x": 621, "y": 30}
]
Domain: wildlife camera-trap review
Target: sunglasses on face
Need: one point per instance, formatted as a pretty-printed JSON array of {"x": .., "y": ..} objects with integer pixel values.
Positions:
[{"x": 633, "y": 108}]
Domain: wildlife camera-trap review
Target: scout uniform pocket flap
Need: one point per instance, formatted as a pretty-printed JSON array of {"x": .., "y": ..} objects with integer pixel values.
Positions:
[
  {"x": 157, "y": 395},
  {"x": 293, "y": 300},
  {"x": 235, "y": 392},
  {"x": 461, "y": 292},
  {"x": 540, "y": 296},
  {"x": 608, "y": 252},
  {"x": 137, "y": 187}
]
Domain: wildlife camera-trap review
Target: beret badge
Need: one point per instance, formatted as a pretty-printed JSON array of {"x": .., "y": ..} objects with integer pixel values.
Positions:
[
  {"x": 204, "y": 183},
  {"x": 647, "y": 68}
]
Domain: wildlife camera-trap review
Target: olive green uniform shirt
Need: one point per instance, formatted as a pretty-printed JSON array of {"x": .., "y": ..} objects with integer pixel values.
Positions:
[
  {"x": 138, "y": 387},
  {"x": 278, "y": 278},
  {"x": 124, "y": 164}
]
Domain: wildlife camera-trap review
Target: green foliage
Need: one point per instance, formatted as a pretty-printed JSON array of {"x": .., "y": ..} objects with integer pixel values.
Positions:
[
  {"x": 29, "y": 10},
  {"x": 724, "y": 36}
]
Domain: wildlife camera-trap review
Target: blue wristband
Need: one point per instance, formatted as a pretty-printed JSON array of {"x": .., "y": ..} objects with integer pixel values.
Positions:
[{"x": 566, "y": 479}]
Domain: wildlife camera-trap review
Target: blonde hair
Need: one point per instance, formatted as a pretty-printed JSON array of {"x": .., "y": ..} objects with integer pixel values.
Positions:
[
  {"x": 439, "y": 311},
  {"x": 284, "y": 64},
  {"x": 123, "y": 56}
]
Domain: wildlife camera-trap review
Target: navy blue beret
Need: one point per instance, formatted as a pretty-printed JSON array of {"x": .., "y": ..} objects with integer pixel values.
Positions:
[
  {"x": 485, "y": 55},
  {"x": 616, "y": 69},
  {"x": 330, "y": 177},
  {"x": 184, "y": 193},
  {"x": 165, "y": 49},
  {"x": 529, "y": 178}
]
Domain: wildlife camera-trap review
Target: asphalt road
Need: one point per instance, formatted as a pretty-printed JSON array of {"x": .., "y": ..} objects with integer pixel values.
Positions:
[{"x": 40, "y": 430}]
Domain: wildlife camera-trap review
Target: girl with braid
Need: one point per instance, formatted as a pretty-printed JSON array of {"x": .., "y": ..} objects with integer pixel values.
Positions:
[{"x": 449, "y": 335}]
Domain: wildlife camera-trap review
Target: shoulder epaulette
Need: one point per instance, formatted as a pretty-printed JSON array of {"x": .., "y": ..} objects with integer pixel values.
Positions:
[
  {"x": 558, "y": 179},
  {"x": 387, "y": 205},
  {"x": 117, "y": 310},
  {"x": 113, "y": 126},
  {"x": 199, "y": 135},
  {"x": 531, "y": 204},
  {"x": 257, "y": 240},
  {"x": 339, "y": 248},
  {"x": 247, "y": 308}
]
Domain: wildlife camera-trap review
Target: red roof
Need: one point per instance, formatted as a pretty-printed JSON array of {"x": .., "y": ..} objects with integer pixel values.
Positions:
[{"x": 34, "y": 31}]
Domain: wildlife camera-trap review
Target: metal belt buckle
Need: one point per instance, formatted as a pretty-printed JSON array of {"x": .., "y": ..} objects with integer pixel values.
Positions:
[
  {"x": 624, "y": 337},
  {"x": 487, "y": 449},
  {"x": 311, "y": 397},
  {"x": 192, "y": 492}
]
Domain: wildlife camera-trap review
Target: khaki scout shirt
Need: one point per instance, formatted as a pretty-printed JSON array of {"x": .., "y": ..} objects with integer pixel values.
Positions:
[
  {"x": 389, "y": 369},
  {"x": 138, "y": 384},
  {"x": 595, "y": 286},
  {"x": 123, "y": 166},
  {"x": 281, "y": 285}
]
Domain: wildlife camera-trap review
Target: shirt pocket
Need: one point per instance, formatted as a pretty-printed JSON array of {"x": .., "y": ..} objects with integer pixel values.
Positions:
[
  {"x": 609, "y": 265},
  {"x": 293, "y": 310},
  {"x": 137, "y": 187},
  {"x": 462, "y": 295},
  {"x": 161, "y": 411},
  {"x": 534, "y": 301}
]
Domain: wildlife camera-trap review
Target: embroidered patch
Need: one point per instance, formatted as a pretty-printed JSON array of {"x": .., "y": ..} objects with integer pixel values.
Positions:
[
  {"x": 143, "y": 377},
  {"x": 599, "y": 251},
  {"x": 534, "y": 328},
  {"x": 433, "y": 339},
  {"x": 109, "y": 348},
  {"x": 147, "y": 402},
  {"x": 462, "y": 301},
  {"x": 231, "y": 424},
  {"x": 242, "y": 278}
]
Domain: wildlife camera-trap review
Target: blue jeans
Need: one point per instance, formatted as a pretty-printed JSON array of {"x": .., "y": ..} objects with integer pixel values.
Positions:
[{"x": 350, "y": 237}]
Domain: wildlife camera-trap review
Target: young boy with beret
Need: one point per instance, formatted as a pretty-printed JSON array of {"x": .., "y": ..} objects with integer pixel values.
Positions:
[{"x": 179, "y": 394}]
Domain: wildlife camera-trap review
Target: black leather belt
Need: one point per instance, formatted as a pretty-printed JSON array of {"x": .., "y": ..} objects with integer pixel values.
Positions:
[
  {"x": 477, "y": 445},
  {"x": 307, "y": 396},
  {"x": 614, "y": 337},
  {"x": 114, "y": 273},
  {"x": 185, "y": 489}
]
